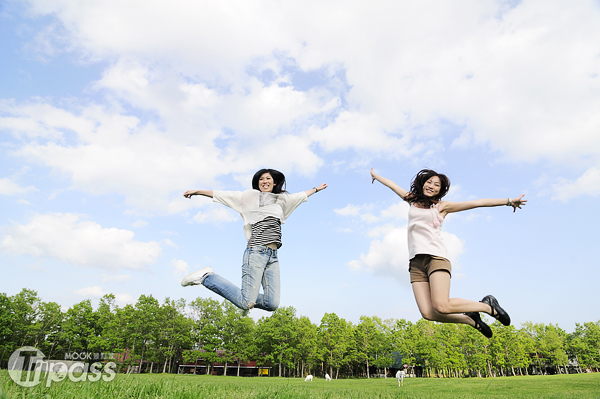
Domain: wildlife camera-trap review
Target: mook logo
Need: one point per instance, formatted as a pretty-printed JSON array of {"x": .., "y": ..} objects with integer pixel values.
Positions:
[{"x": 26, "y": 366}]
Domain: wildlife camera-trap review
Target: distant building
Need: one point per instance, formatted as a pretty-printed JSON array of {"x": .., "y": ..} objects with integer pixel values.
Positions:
[{"x": 249, "y": 369}]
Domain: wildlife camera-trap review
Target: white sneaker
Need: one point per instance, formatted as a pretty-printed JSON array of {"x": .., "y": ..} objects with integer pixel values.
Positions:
[{"x": 198, "y": 277}]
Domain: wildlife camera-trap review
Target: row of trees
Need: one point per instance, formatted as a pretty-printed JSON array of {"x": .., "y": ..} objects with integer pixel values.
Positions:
[{"x": 157, "y": 336}]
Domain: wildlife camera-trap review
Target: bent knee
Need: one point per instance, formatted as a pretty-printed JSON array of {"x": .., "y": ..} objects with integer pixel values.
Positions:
[
  {"x": 441, "y": 308},
  {"x": 428, "y": 316},
  {"x": 271, "y": 305}
]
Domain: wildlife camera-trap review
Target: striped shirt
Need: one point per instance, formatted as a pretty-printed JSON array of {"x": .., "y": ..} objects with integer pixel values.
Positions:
[
  {"x": 265, "y": 232},
  {"x": 254, "y": 207}
]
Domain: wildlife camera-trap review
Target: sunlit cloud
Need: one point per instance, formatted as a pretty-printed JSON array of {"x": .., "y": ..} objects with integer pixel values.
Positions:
[{"x": 72, "y": 239}]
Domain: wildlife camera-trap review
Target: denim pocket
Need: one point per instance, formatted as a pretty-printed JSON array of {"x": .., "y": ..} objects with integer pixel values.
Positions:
[{"x": 257, "y": 250}]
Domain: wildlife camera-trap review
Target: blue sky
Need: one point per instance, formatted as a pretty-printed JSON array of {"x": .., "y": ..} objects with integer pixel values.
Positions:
[{"x": 109, "y": 111}]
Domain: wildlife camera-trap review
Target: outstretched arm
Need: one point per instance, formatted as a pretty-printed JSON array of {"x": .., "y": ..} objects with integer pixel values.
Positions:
[
  {"x": 206, "y": 193},
  {"x": 388, "y": 183},
  {"x": 316, "y": 189},
  {"x": 447, "y": 207}
]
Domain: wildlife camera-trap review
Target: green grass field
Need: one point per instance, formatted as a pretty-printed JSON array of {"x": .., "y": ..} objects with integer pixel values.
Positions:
[{"x": 169, "y": 386}]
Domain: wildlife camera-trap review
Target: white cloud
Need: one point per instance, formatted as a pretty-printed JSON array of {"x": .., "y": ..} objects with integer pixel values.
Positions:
[
  {"x": 361, "y": 211},
  {"x": 349, "y": 210},
  {"x": 215, "y": 215},
  {"x": 181, "y": 267},
  {"x": 366, "y": 214},
  {"x": 380, "y": 231},
  {"x": 454, "y": 246},
  {"x": 397, "y": 74},
  {"x": 369, "y": 218},
  {"x": 140, "y": 223},
  {"x": 124, "y": 299},
  {"x": 388, "y": 256},
  {"x": 286, "y": 152},
  {"x": 264, "y": 109},
  {"x": 115, "y": 153},
  {"x": 408, "y": 65},
  {"x": 227, "y": 35},
  {"x": 399, "y": 210},
  {"x": 90, "y": 292},
  {"x": 169, "y": 243},
  {"x": 353, "y": 130},
  {"x": 116, "y": 277},
  {"x": 38, "y": 120},
  {"x": 69, "y": 238},
  {"x": 8, "y": 187},
  {"x": 96, "y": 292},
  {"x": 147, "y": 166},
  {"x": 586, "y": 184}
]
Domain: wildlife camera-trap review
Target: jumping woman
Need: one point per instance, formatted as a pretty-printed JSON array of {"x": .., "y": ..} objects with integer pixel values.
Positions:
[
  {"x": 429, "y": 266},
  {"x": 263, "y": 210}
]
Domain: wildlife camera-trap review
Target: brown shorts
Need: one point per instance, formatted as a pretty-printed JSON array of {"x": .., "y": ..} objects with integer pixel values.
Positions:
[{"x": 422, "y": 265}]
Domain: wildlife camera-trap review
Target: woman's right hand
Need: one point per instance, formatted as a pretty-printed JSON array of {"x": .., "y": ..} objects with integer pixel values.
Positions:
[
  {"x": 206, "y": 193},
  {"x": 388, "y": 183},
  {"x": 373, "y": 176}
]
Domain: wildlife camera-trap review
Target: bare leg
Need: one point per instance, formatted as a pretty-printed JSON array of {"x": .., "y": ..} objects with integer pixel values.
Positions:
[
  {"x": 441, "y": 301},
  {"x": 423, "y": 298},
  {"x": 434, "y": 302}
]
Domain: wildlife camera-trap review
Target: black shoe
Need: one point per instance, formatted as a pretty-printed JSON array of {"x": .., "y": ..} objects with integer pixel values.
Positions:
[
  {"x": 480, "y": 325},
  {"x": 497, "y": 311}
]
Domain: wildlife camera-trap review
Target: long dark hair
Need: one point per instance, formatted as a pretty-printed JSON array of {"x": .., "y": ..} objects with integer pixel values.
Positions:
[
  {"x": 278, "y": 180},
  {"x": 415, "y": 195}
]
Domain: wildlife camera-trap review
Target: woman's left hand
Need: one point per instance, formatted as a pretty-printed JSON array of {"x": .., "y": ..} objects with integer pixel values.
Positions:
[
  {"x": 517, "y": 202},
  {"x": 322, "y": 187}
]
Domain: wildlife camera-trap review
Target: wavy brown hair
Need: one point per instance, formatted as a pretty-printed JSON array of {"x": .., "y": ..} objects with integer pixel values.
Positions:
[{"x": 415, "y": 195}]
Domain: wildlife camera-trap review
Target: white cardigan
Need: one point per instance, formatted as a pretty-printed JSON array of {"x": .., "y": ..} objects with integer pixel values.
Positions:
[{"x": 254, "y": 205}]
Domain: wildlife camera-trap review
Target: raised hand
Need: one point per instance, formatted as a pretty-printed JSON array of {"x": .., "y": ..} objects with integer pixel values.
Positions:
[
  {"x": 518, "y": 202},
  {"x": 322, "y": 187}
]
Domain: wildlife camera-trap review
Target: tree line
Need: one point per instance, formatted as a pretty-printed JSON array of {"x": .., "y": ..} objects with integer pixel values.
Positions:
[{"x": 158, "y": 336}]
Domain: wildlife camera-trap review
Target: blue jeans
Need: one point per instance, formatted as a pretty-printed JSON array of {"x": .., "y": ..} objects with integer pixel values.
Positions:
[{"x": 260, "y": 266}]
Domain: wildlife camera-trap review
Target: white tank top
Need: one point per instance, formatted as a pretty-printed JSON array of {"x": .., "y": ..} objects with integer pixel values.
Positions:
[{"x": 424, "y": 232}]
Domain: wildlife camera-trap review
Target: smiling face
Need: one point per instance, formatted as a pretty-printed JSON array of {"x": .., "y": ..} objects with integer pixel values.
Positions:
[
  {"x": 266, "y": 183},
  {"x": 432, "y": 186}
]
